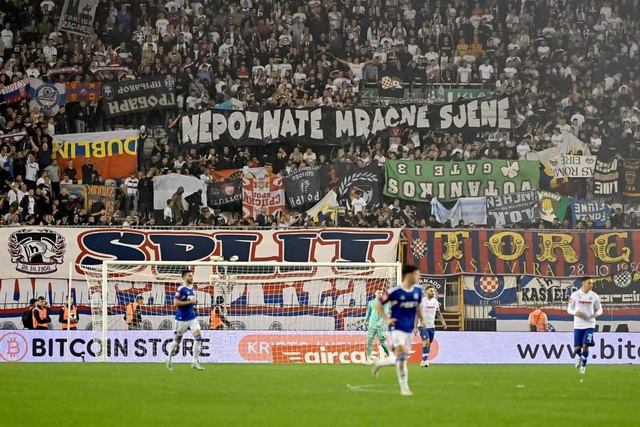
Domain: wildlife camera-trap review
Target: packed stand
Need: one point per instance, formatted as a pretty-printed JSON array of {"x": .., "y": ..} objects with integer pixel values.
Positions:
[{"x": 569, "y": 67}]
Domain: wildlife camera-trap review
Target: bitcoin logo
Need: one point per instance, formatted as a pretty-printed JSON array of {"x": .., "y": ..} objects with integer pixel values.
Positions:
[{"x": 13, "y": 347}]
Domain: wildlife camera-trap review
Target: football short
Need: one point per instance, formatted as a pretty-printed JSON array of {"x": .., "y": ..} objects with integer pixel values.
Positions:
[
  {"x": 583, "y": 337},
  {"x": 376, "y": 332},
  {"x": 400, "y": 338},
  {"x": 183, "y": 326},
  {"x": 427, "y": 334}
]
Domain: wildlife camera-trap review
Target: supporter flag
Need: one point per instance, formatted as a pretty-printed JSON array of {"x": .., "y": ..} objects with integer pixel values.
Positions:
[
  {"x": 302, "y": 187},
  {"x": 605, "y": 178},
  {"x": 367, "y": 180},
  {"x": 597, "y": 211},
  {"x": 165, "y": 186},
  {"x": 114, "y": 154},
  {"x": 262, "y": 196},
  {"x": 223, "y": 174},
  {"x": 391, "y": 86},
  {"x": 225, "y": 191},
  {"x": 46, "y": 98},
  {"x": 553, "y": 206},
  {"x": 325, "y": 208},
  {"x": 490, "y": 290},
  {"x": 77, "y": 17},
  {"x": 15, "y": 92},
  {"x": 88, "y": 92},
  {"x": 632, "y": 178}
]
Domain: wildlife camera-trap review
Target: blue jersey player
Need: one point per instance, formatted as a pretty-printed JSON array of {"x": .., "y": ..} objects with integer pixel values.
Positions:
[
  {"x": 186, "y": 318},
  {"x": 404, "y": 301}
]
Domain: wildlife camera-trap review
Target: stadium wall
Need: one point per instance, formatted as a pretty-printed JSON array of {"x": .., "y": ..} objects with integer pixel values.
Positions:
[{"x": 313, "y": 347}]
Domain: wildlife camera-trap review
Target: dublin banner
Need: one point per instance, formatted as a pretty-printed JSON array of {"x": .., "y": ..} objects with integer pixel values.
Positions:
[
  {"x": 417, "y": 180},
  {"x": 77, "y": 16},
  {"x": 514, "y": 208},
  {"x": 542, "y": 253},
  {"x": 137, "y": 96},
  {"x": 302, "y": 187},
  {"x": 570, "y": 166},
  {"x": 262, "y": 196},
  {"x": 605, "y": 178},
  {"x": 35, "y": 252},
  {"x": 331, "y": 125},
  {"x": 114, "y": 154}
]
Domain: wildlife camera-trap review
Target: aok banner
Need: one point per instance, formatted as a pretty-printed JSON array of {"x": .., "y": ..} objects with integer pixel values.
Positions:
[
  {"x": 418, "y": 179},
  {"x": 542, "y": 253},
  {"x": 311, "y": 347},
  {"x": 330, "y": 125},
  {"x": 137, "y": 96},
  {"x": 37, "y": 252},
  {"x": 114, "y": 154}
]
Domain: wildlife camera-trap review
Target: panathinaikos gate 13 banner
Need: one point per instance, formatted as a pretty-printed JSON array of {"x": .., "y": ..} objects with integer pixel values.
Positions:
[
  {"x": 418, "y": 179},
  {"x": 542, "y": 253}
]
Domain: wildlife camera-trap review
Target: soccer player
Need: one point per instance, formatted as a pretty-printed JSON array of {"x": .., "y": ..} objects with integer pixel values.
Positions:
[
  {"x": 404, "y": 300},
  {"x": 375, "y": 326},
  {"x": 584, "y": 306},
  {"x": 186, "y": 318},
  {"x": 429, "y": 307}
]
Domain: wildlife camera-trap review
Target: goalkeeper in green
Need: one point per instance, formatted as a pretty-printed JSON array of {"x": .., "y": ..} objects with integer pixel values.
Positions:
[{"x": 375, "y": 326}]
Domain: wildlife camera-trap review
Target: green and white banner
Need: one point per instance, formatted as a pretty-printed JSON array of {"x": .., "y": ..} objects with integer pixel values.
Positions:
[{"x": 417, "y": 180}]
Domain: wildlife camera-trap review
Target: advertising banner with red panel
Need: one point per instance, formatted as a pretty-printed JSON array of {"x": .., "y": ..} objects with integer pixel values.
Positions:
[
  {"x": 312, "y": 347},
  {"x": 541, "y": 253},
  {"x": 113, "y": 154}
]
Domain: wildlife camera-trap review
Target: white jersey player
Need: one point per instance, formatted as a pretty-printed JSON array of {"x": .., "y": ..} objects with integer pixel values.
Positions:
[
  {"x": 584, "y": 306},
  {"x": 429, "y": 306}
]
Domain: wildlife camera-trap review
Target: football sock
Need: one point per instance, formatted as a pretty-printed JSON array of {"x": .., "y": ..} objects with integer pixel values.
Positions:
[
  {"x": 173, "y": 347},
  {"x": 369, "y": 346},
  {"x": 584, "y": 357},
  {"x": 383, "y": 344},
  {"x": 197, "y": 347},
  {"x": 402, "y": 371},
  {"x": 425, "y": 353}
]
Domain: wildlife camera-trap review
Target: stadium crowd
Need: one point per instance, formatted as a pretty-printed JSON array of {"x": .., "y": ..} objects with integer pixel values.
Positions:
[{"x": 568, "y": 66}]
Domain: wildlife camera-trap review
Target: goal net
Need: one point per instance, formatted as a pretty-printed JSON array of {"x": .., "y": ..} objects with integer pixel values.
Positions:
[{"x": 321, "y": 300}]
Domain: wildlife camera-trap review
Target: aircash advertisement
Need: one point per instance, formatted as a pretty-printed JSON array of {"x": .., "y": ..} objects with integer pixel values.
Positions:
[{"x": 312, "y": 347}]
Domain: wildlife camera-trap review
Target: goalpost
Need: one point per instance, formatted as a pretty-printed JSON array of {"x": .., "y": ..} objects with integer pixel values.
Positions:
[{"x": 281, "y": 297}]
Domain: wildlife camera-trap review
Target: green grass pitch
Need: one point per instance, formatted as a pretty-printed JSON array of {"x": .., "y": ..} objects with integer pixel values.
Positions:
[{"x": 316, "y": 395}]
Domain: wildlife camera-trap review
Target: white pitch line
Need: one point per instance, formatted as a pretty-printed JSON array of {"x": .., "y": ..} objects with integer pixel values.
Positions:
[{"x": 368, "y": 388}]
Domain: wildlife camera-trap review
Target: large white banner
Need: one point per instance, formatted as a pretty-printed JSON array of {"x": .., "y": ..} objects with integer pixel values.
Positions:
[
  {"x": 311, "y": 347},
  {"x": 165, "y": 186},
  {"x": 34, "y": 252}
]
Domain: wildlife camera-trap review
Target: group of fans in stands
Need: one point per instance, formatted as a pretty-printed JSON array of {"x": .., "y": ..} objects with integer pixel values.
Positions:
[{"x": 568, "y": 66}]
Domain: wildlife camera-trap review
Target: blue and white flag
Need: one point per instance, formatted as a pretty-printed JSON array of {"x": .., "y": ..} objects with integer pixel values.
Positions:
[
  {"x": 583, "y": 210},
  {"x": 490, "y": 290},
  {"x": 46, "y": 98},
  {"x": 471, "y": 210}
]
